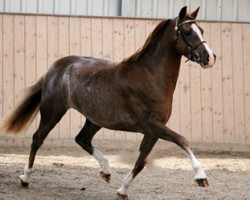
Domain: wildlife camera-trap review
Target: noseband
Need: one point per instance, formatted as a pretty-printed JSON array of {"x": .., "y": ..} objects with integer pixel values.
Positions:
[{"x": 192, "y": 55}]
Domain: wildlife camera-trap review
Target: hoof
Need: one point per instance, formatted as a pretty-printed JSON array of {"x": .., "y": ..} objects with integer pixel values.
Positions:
[
  {"x": 24, "y": 184},
  {"x": 202, "y": 182},
  {"x": 122, "y": 196},
  {"x": 105, "y": 177}
]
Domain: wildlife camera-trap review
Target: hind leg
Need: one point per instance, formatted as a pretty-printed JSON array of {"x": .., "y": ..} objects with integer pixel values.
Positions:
[
  {"x": 84, "y": 139},
  {"x": 147, "y": 145},
  {"x": 47, "y": 123}
]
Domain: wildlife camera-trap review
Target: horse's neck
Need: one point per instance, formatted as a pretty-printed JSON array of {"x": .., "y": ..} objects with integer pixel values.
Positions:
[{"x": 164, "y": 63}]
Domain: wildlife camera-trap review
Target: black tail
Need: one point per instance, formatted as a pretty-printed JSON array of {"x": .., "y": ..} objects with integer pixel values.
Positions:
[{"x": 26, "y": 111}]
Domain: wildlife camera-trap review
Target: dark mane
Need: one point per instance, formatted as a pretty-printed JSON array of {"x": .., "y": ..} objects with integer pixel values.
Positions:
[{"x": 151, "y": 42}]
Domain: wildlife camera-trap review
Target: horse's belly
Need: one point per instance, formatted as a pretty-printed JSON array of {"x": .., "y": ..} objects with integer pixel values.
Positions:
[
  {"x": 103, "y": 106},
  {"x": 109, "y": 115}
]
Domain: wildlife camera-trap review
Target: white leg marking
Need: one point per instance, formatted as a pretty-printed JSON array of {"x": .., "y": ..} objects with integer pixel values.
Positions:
[
  {"x": 103, "y": 161},
  {"x": 200, "y": 174},
  {"x": 125, "y": 184},
  {"x": 210, "y": 52},
  {"x": 26, "y": 174}
]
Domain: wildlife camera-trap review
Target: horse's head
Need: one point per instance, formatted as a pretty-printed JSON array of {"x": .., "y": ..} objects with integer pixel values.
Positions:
[{"x": 188, "y": 39}]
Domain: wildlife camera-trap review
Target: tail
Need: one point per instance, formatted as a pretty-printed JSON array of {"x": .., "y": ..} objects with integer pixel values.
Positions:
[{"x": 26, "y": 111}]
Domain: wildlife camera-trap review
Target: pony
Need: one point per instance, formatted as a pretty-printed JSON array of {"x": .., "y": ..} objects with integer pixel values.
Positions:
[{"x": 134, "y": 95}]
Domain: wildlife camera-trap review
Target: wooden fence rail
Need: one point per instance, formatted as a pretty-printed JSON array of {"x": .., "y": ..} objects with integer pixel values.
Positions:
[{"x": 210, "y": 106}]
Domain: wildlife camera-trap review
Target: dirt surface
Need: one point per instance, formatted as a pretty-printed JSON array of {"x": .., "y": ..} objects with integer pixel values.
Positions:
[{"x": 62, "y": 173}]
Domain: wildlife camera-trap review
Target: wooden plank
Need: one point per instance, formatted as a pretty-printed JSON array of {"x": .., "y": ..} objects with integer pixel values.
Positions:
[
  {"x": 86, "y": 28},
  {"x": 53, "y": 42},
  {"x": 74, "y": 44},
  {"x": 107, "y": 35},
  {"x": 184, "y": 92},
  {"x": 238, "y": 84},
  {"x": 195, "y": 102},
  {"x": 129, "y": 37},
  {"x": 8, "y": 64},
  {"x": 8, "y": 70},
  {"x": 30, "y": 59},
  {"x": 63, "y": 49},
  {"x": 206, "y": 95},
  {"x": 107, "y": 44},
  {"x": 19, "y": 57},
  {"x": 1, "y": 68},
  {"x": 227, "y": 78},
  {"x": 52, "y": 56},
  {"x": 41, "y": 50},
  {"x": 246, "y": 53},
  {"x": 19, "y": 60},
  {"x": 140, "y": 33},
  {"x": 217, "y": 88},
  {"x": 118, "y": 34},
  {"x": 96, "y": 41}
]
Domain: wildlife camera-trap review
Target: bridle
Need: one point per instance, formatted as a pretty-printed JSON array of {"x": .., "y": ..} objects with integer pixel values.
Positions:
[{"x": 192, "y": 55}]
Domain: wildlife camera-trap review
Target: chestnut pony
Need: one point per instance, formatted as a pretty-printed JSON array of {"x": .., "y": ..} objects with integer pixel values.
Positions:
[{"x": 134, "y": 95}]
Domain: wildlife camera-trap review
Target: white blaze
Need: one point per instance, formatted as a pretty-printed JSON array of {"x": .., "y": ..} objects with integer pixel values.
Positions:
[{"x": 211, "y": 59}]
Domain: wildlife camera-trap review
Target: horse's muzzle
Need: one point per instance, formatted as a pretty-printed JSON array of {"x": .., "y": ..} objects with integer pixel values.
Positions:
[{"x": 209, "y": 62}]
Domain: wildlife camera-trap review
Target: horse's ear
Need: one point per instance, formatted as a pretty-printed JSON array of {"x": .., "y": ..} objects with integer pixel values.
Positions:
[
  {"x": 183, "y": 13},
  {"x": 195, "y": 13}
]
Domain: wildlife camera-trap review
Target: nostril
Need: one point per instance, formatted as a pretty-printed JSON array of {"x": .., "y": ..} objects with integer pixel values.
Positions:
[
  {"x": 196, "y": 57},
  {"x": 208, "y": 58}
]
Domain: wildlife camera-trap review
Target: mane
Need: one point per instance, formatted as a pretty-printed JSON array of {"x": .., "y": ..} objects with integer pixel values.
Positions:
[{"x": 151, "y": 42}]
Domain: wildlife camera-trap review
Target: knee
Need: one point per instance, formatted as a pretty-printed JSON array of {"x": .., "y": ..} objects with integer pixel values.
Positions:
[{"x": 182, "y": 142}]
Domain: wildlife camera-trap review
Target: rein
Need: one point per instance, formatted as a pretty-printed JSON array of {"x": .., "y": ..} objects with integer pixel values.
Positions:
[{"x": 192, "y": 55}]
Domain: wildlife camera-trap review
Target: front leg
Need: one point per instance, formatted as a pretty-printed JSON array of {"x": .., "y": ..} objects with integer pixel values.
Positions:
[
  {"x": 163, "y": 132},
  {"x": 200, "y": 177}
]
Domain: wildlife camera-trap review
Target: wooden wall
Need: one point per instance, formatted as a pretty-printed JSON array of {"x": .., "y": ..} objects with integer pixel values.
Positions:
[{"x": 210, "y": 106}]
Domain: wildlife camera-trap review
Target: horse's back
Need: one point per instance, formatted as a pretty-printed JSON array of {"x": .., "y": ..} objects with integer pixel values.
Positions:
[{"x": 68, "y": 73}]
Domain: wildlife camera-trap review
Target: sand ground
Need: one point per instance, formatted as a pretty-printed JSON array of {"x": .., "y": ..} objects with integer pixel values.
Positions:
[{"x": 61, "y": 173}]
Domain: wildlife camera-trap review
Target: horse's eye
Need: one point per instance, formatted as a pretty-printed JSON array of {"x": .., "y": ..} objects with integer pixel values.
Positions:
[{"x": 187, "y": 33}]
